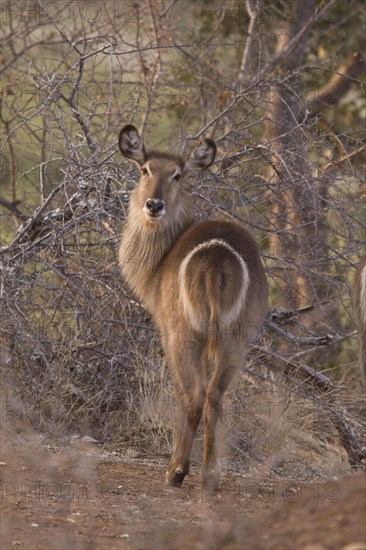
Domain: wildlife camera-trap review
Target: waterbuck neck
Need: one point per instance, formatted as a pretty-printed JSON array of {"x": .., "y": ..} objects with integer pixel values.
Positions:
[{"x": 143, "y": 246}]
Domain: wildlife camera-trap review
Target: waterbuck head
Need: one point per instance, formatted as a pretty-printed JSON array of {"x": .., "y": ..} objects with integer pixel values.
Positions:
[{"x": 162, "y": 194}]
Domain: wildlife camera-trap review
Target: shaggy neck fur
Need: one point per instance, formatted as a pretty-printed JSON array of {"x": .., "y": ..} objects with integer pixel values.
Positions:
[{"x": 144, "y": 244}]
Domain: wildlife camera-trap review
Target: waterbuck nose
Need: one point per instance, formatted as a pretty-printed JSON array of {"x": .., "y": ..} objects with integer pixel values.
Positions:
[{"x": 154, "y": 205}]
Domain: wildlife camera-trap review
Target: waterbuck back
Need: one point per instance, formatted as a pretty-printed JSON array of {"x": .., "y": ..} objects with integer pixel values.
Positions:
[
  {"x": 359, "y": 304},
  {"x": 203, "y": 283}
]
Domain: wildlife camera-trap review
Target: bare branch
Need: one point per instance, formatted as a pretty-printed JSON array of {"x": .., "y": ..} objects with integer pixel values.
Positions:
[
  {"x": 342, "y": 159},
  {"x": 253, "y": 12},
  {"x": 309, "y": 341}
]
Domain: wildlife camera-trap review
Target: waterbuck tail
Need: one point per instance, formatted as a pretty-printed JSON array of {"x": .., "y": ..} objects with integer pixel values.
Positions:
[{"x": 213, "y": 286}]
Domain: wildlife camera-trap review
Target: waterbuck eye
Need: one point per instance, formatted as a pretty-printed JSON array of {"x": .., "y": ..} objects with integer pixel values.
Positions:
[
  {"x": 144, "y": 171},
  {"x": 176, "y": 177}
]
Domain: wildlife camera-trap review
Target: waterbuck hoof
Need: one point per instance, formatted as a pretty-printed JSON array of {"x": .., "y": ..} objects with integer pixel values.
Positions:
[{"x": 175, "y": 479}]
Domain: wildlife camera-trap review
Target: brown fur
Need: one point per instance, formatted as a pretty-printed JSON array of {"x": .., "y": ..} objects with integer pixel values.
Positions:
[
  {"x": 204, "y": 285},
  {"x": 359, "y": 304}
]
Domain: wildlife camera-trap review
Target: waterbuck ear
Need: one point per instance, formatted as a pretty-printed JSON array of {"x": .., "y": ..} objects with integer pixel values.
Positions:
[
  {"x": 202, "y": 156},
  {"x": 131, "y": 144}
]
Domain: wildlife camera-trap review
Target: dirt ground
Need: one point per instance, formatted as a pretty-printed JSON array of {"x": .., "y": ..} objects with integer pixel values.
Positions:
[{"x": 80, "y": 497}]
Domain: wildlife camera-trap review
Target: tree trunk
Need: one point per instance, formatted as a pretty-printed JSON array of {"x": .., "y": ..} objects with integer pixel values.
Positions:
[{"x": 295, "y": 207}]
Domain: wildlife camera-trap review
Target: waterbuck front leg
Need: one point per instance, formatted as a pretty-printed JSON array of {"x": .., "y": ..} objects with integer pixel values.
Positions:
[{"x": 189, "y": 395}]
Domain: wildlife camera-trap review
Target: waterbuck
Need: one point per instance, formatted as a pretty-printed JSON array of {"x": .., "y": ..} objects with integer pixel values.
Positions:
[
  {"x": 359, "y": 304},
  {"x": 203, "y": 283}
]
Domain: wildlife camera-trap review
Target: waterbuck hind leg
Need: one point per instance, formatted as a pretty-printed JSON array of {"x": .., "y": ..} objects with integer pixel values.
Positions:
[
  {"x": 189, "y": 404},
  {"x": 210, "y": 469},
  {"x": 188, "y": 417},
  {"x": 219, "y": 382}
]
